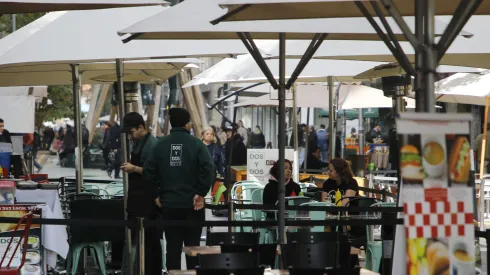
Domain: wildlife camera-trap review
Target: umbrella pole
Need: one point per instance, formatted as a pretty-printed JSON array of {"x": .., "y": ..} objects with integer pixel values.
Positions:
[
  {"x": 482, "y": 166},
  {"x": 78, "y": 124},
  {"x": 282, "y": 135},
  {"x": 295, "y": 133},
  {"x": 361, "y": 132},
  {"x": 331, "y": 117},
  {"x": 307, "y": 143},
  {"x": 124, "y": 156}
]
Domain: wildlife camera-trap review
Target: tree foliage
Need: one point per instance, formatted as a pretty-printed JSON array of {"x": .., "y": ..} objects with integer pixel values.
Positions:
[{"x": 61, "y": 107}]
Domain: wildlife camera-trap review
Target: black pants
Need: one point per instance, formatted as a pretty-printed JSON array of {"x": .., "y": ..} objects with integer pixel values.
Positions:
[
  {"x": 175, "y": 237},
  {"x": 116, "y": 165},
  {"x": 105, "y": 155}
]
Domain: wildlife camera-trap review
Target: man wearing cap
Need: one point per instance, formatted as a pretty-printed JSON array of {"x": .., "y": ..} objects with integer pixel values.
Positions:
[
  {"x": 142, "y": 194},
  {"x": 181, "y": 167}
]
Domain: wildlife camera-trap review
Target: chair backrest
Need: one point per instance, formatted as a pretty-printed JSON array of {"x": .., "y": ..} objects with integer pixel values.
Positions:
[
  {"x": 257, "y": 195},
  {"x": 218, "y": 238},
  {"x": 337, "y": 241},
  {"x": 319, "y": 255},
  {"x": 240, "y": 271},
  {"x": 267, "y": 252},
  {"x": 323, "y": 271},
  {"x": 228, "y": 260},
  {"x": 96, "y": 209},
  {"x": 296, "y": 201}
]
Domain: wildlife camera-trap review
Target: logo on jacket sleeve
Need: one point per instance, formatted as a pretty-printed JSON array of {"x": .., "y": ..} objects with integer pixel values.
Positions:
[{"x": 176, "y": 155}]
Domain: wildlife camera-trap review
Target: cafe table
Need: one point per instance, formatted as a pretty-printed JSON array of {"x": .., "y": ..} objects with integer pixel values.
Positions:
[
  {"x": 194, "y": 250},
  {"x": 267, "y": 272}
]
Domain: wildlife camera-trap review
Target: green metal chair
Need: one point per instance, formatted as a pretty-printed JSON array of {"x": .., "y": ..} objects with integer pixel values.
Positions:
[
  {"x": 242, "y": 192},
  {"x": 374, "y": 249},
  {"x": 318, "y": 215},
  {"x": 258, "y": 215},
  {"x": 98, "y": 253}
]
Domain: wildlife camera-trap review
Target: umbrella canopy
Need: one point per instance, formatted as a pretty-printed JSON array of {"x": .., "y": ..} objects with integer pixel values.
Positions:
[
  {"x": 244, "y": 69},
  {"x": 146, "y": 71},
  {"x": 197, "y": 15},
  {"x": 62, "y": 38},
  {"x": 39, "y": 92},
  {"x": 472, "y": 52},
  {"x": 243, "y": 10},
  {"x": 464, "y": 88},
  {"x": 395, "y": 69},
  {"x": 315, "y": 95},
  {"x": 27, "y": 6}
]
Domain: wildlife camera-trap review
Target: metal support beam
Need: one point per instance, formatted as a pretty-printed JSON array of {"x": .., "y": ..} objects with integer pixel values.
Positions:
[
  {"x": 404, "y": 62},
  {"x": 419, "y": 58},
  {"x": 124, "y": 158},
  {"x": 316, "y": 42},
  {"x": 257, "y": 56},
  {"x": 460, "y": 18},
  {"x": 396, "y": 52},
  {"x": 282, "y": 135},
  {"x": 430, "y": 55},
  {"x": 391, "y": 8},
  {"x": 77, "y": 87},
  {"x": 331, "y": 116}
]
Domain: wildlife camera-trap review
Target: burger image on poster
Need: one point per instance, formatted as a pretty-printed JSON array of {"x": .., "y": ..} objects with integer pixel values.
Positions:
[{"x": 434, "y": 160}]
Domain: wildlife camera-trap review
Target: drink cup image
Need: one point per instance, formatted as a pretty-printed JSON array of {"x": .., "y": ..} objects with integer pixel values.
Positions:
[{"x": 462, "y": 260}]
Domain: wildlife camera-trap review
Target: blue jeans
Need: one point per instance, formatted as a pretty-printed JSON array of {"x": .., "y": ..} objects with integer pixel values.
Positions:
[
  {"x": 324, "y": 156},
  {"x": 28, "y": 149}
]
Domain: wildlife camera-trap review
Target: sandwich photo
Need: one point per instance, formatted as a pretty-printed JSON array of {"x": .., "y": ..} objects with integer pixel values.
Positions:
[
  {"x": 411, "y": 163},
  {"x": 459, "y": 160},
  {"x": 427, "y": 256}
]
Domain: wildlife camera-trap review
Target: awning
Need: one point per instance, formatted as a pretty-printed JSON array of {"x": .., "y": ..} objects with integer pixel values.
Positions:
[{"x": 353, "y": 114}]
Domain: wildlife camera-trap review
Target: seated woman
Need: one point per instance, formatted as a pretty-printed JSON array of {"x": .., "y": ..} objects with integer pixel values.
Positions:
[
  {"x": 292, "y": 189},
  {"x": 340, "y": 178}
]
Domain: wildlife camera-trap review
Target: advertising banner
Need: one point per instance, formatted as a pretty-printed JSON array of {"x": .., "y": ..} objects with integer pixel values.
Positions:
[
  {"x": 260, "y": 161},
  {"x": 34, "y": 254},
  {"x": 436, "y": 195}
]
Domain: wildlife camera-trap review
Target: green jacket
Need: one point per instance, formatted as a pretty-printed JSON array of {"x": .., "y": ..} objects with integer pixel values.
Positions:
[{"x": 180, "y": 165}]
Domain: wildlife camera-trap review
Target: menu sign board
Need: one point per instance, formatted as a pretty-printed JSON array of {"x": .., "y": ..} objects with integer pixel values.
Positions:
[
  {"x": 436, "y": 194},
  {"x": 33, "y": 263},
  {"x": 260, "y": 161}
]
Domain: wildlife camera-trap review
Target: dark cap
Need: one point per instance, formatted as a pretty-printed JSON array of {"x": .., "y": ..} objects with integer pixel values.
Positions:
[
  {"x": 179, "y": 117},
  {"x": 132, "y": 120}
]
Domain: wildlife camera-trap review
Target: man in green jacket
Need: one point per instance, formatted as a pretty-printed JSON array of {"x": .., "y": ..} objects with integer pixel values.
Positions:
[{"x": 181, "y": 167}]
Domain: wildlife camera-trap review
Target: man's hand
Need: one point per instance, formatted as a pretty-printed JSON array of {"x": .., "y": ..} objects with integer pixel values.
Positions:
[
  {"x": 198, "y": 202},
  {"x": 128, "y": 167},
  {"x": 158, "y": 202}
]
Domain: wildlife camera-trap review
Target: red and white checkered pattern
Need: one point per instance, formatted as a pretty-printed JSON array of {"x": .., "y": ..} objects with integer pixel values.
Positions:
[{"x": 438, "y": 219}]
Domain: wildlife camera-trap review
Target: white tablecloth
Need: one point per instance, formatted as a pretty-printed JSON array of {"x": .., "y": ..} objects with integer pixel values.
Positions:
[{"x": 54, "y": 237}]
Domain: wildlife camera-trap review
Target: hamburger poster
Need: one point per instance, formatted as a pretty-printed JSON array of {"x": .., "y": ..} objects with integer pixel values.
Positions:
[{"x": 436, "y": 194}]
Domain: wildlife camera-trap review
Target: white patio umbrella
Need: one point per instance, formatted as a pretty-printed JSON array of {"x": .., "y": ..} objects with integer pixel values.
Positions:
[
  {"x": 244, "y": 69},
  {"x": 198, "y": 13},
  {"x": 27, "y": 6},
  {"x": 464, "y": 88}
]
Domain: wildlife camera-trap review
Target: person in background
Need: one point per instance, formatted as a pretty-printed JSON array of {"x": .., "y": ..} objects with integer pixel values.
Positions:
[
  {"x": 292, "y": 189},
  {"x": 375, "y": 134},
  {"x": 301, "y": 140},
  {"x": 249, "y": 138},
  {"x": 353, "y": 133},
  {"x": 68, "y": 147},
  {"x": 142, "y": 194},
  {"x": 312, "y": 138},
  {"x": 4, "y": 133},
  {"x": 340, "y": 178},
  {"x": 29, "y": 149},
  {"x": 313, "y": 161},
  {"x": 242, "y": 132},
  {"x": 322, "y": 142},
  {"x": 105, "y": 145},
  {"x": 221, "y": 135},
  {"x": 258, "y": 138},
  {"x": 239, "y": 156},
  {"x": 115, "y": 146},
  {"x": 209, "y": 139},
  {"x": 182, "y": 169}
]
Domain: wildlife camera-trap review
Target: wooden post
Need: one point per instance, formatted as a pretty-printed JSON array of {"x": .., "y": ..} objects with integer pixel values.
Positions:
[
  {"x": 199, "y": 99},
  {"x": 191, "y": 104},
  {"x": 482, "y": 166},
  {"x": 155, "y": 109},
  {"x": 98, "y": 110}
]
